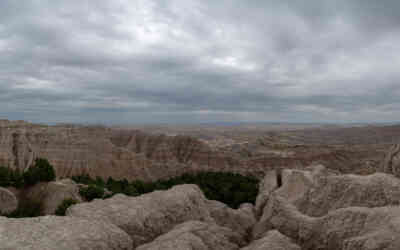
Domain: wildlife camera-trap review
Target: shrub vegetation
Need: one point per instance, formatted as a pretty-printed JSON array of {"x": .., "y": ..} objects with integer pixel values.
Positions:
[
  {"x": 10, "y": 178},
  {"x": 92, "y": 192},
  {"x": 62, "y": 208},
  {"x": 231, "y": 189},
  {"x": 41, "y": 171}
]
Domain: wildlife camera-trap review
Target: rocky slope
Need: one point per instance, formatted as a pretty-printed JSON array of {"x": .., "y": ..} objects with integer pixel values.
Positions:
[
  {"x": 311, "y": 209},
  {"x": 319, "y": 209},
  {"x": 131, "y": 154}
]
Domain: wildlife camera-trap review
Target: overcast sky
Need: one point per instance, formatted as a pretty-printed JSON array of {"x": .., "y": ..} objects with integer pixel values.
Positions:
[{"x": 133, "y": 61}]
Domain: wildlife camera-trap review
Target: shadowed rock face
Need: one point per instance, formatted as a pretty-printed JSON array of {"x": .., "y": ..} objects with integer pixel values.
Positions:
[
  {"x": 52, "y": 194},
  {"x": 8, "y": 201}
]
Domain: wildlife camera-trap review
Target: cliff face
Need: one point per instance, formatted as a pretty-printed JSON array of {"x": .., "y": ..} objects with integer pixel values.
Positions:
[
  {"x": 105, "y": 152},
  {"x": 132, "y": 154}
]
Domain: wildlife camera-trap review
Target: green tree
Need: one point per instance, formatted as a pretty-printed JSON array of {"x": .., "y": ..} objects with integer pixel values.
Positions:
[{"x": 41, "y": 171}]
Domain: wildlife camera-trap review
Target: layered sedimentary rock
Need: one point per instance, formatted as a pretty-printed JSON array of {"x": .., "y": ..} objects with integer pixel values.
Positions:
[
  {"x": 61, "y": 233},
  {"x": 100, "y": 151},
  {"x": 196, "y": 235},
  {"x": 131, "y": 154},
  {"x": 148, "y": 216}
]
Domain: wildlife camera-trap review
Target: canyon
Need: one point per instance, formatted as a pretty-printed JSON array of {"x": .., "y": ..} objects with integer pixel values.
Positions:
[
  {"x": 150, "y": 155},
  {"x": 322, "y": 188}
]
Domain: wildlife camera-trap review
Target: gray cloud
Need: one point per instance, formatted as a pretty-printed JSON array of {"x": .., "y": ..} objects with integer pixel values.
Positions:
[{"x": 199, "y": 61}]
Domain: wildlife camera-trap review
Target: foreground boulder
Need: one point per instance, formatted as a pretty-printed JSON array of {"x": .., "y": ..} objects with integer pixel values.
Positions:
[
  {"x": 273, "y": 240},
  {"x": 52, "y": 194},
  {"x": 353, "y": 228},
  {"x": 8, "y": 201},
  {"x": 147, "y": 216},
  {"x": 61, "y": 233},
  {"x": 317, "y": 191},
  {"x": 196, "y": 235},
  {"x": 324, "y": 210},
  {"x": 239, "y": 220}
]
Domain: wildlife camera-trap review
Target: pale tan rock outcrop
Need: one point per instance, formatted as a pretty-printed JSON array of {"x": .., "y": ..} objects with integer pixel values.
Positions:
[
  {"x": 352, "y": 228},
  {"x": 61, "y": 233},
  {"x": 8, "y": 201},
  {"x": 267, "y": 185},
  {"x": 391, "y": 163},
  {"x": 147, "y": 216},
  {"x": 196, "y": 235},
  {"x": 273, "y": 240},
  {"x": 52, "y": 194},
  {"x": 240, "y": 220},
  {"x": 323, "y": 210},
  {"x": 316, "y": 190}
]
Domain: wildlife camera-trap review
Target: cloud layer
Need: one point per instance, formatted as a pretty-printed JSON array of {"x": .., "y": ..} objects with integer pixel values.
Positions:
[{"x": 200, "y": 61}]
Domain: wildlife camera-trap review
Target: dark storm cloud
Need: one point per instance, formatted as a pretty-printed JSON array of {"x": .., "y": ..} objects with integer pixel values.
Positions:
[{"x": 199, "y": 61}]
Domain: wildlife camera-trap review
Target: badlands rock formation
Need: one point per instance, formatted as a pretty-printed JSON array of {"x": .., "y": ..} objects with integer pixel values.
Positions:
[
  {"x": 196, "y": 235},
  {"x": 319, "y": 209},
  {"x": 391, "y": 163},
  {"x": 131, "y": 154},
  {"x": 311, "y": 209},
  {"x": 105, "y": 152},
  {"x": 61, "y": 233},
  {"x": 148, "y": 216},
  {"x": 239, "y": 220},
  {"x": 8, "y": 201}
]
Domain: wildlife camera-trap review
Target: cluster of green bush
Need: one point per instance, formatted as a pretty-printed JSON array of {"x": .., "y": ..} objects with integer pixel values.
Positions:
[
  {"x": 41, "y": 171},
  {"x": 231, "y": 189},
  {"x": 62, "y": 208}
]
